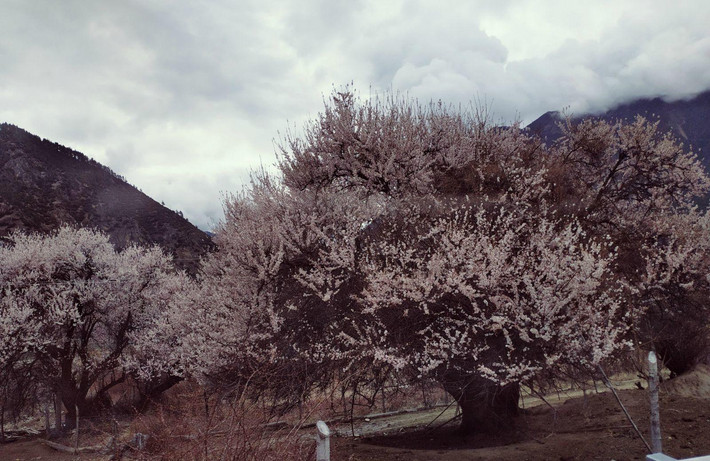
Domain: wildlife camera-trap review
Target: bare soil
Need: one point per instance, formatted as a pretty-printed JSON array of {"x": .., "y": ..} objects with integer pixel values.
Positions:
[
  {"x": 579, "y": 428},
  {"x": 34, "y": 449},
  {"x": 573, "y": 427}
]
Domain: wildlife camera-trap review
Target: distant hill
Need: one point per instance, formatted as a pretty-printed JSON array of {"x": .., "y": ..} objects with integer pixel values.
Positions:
[
  {"x": 44, "y": 184},
  {"x": 688, "y": 120}
]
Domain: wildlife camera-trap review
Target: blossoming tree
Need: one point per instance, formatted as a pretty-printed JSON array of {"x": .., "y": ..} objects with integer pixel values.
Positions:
[
  {"x": 72, "y": 306},
  {"x": 639, "y": 187},
  {"x": 425, "y": 242}
]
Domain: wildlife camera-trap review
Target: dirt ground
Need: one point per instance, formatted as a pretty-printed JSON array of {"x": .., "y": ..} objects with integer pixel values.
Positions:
[
  {"x": 590, "y": 427},
  {"x": 580, "y": 428},
  {"x": 33, "y": 449}
]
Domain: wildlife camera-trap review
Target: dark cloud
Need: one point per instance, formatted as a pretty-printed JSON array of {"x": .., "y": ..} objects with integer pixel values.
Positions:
[{"x": 183, "y": 98}]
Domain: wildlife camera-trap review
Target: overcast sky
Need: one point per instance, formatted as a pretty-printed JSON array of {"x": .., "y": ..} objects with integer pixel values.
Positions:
[{"x": 183, "y": 98}]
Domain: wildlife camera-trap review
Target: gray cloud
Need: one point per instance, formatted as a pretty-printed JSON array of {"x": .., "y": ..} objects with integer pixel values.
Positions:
[{"x": 184, "y": 98}]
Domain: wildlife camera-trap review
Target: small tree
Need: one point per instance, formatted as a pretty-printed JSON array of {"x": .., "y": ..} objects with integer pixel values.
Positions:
[
  {"x": 428, "y": 243},
  {"x": 71, "y": 306}
]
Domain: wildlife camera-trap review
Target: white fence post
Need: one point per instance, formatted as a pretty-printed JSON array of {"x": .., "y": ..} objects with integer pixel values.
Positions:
[
  {"x": 655, "y": 414},
  {"x": 140, "y": 440},
  {"x": 322, "y": 442},
  {"x": 659, "y": 457}
]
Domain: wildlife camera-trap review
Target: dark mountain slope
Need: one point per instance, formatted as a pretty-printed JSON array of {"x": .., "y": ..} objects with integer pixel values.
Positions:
[
  {"x": 688, "y": 120},
  {"x": 44, "y": 184}
]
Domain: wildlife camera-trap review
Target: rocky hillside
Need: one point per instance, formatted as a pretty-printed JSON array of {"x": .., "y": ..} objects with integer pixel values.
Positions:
[
  {"x": 44, "y": 184},
  {"x": 688, "y": 120}
]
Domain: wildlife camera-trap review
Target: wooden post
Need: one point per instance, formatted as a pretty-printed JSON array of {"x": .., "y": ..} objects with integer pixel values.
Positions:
[
  {"x": 655, "y": 414},
  {"x": 76, "y": 442},
  {"x": 47, "y": 426},
  {"x": 322, "y": 442}
]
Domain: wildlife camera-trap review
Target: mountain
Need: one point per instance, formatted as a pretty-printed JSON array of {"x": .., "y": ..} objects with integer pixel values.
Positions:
[
  {"x": 44, "y": 185},
  {"x": 689, "y": 120}
]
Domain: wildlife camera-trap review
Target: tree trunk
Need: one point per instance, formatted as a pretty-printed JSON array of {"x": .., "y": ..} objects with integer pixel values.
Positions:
[
  {"x": 74, "y": 399},
  {"x": 71, "y": 401},
  {"x": 485, "y": 405},
  {"x": 86, "y": 406}
]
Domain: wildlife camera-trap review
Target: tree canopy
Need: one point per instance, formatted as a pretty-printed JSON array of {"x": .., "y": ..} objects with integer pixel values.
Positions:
[
  {"x": 72, "y": 310},
  {"x": 427, "y": 242}
]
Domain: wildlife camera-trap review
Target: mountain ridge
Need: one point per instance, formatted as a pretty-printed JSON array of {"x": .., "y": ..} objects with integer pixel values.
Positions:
[
  {"x": 688, "y": 120},
  {"x": 44, "y": 185}
]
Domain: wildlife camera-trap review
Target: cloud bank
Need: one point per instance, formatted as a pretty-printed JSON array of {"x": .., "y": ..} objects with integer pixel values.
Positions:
[{"x": 185, "y": 98}]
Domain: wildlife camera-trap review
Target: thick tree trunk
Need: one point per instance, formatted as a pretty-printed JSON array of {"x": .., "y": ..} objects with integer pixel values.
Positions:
[
  {"x": 87, "y": 406},
  {"x": 71, "y": 400},
  {"x": 485, "y": 405},
  {"x": 76, "y": 397}
]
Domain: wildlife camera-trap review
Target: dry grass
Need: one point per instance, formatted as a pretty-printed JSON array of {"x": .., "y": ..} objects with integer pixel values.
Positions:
[{"x": 190, "y": 425}]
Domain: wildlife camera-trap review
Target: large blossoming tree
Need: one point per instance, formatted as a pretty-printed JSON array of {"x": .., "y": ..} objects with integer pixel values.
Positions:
[
  {"x": 72, "y": 310},
  {"x": 425, "y": 242}
]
